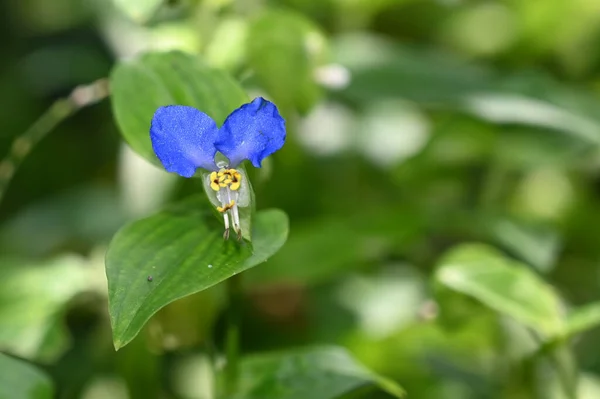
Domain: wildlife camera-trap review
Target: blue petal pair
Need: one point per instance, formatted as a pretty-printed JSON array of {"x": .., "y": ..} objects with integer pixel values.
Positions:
[{"x": 185, "y": 139}]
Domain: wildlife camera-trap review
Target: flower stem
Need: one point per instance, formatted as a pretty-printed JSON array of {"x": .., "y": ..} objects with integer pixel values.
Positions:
[
  {"x": 80, "y": 97},
  {"x": 232, "y": 340}
]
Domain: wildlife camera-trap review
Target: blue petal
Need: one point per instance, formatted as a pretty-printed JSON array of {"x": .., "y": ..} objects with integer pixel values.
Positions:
[
  {"x": 183, "y": 139},
  {"x": 253, "y": 132}
]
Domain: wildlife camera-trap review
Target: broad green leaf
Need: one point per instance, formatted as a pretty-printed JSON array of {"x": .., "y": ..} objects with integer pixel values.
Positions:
[
  {"x": 504, "y": 285},
  {"x": 20, "y": 380},
  {"x": 318, "y": 373},
  {"x": 284, "y": 48},
  {"x": 583, "y": 318},
  {"x": 138, "y": 10},
  {"x": 142, "y": 85},
  {"x": 33, "y": 300},
  {"x": 183, "y": 252}
]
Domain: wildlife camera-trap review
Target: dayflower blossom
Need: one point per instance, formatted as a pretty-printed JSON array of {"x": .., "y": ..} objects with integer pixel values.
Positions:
[{"x": 185, "y": 139}]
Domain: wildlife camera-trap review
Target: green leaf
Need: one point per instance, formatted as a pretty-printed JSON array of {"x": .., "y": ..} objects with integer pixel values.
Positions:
[
  {"x": 507, "y": 286},
  {"x": 33, "y": 300},
  {"x": 368, "y": 238},
  {"x": 183, "y": 251},
  {"x": 138, "y": 10},
  {"x": 20, "y": 380},
  {"x": 318, "y": 373},
  {"x": 227, "y": 48},
  {"x": 142, "y": 85},
  {"x": 538, "y": 245},
  {"x": 284, "y": 49},
  {"x": 383, "y": 69},
  {"x": 583, "y": 318}
]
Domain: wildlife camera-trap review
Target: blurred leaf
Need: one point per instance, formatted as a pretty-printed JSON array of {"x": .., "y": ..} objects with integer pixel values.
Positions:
[
  {"x": 425, "y": 354},
  {"x": 317, "y": 373},
  {"x": 32, "y": 303},
  {"x": 19, "y": 380},
  {"x": 86, "y": 216},
  {"x": 583, "y": 318},
  {"x": 536, "y": 245},
  {"x": 383, "y": 69},
  {"x": 588, "y": 387},
  {"x": 502, "y": 106},
  {"x": 227, "y": 49},
  {"x": 138, "y": 10},
  {"x": 183, "y": 252},
  {"x": 374, "y": 299},
  {"x": 283, "y": 49},
  {"x": 308, "y": 255},
  {"x": 140, "y": 86},
  {"x": 504, "y": 285},
  {"x": 313, "y": 254}
]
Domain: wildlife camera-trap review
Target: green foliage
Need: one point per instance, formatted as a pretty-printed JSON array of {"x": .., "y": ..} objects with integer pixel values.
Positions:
[
  {"x": 142, "y": 85},
  {"x": 138, "y": 10},
  {"x": 504, "y": 285},
  {"x": 415, "y": 128},
  {"x": 175, "y": 253},
  {"x": 381, "y": 69},
  {"x": 19, "y": 380},
  {"x": 284, "y": 49},
  {"x": 318, "y": 372},
  {"x": 33, "y": 303},
  {"x": 583, "y": 318}
]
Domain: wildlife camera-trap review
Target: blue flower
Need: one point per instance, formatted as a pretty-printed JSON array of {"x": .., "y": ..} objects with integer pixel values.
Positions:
[{"x": 185, "y": 139}]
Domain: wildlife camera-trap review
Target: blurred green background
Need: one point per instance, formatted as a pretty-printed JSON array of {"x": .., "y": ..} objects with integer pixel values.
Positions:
[{"x": 415, "y": 127}]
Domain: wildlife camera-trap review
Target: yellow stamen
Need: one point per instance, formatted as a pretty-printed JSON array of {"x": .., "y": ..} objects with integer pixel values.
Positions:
[
  {"x": 226, "y": 207},
  {"x": 226, "y": 178},
  {"x": 236, "y": 180},
  {"x": 214, "y": 181}
]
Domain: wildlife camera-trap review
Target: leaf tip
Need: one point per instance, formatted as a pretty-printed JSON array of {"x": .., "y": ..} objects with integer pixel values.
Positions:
[{"x": 118, "y": 344}]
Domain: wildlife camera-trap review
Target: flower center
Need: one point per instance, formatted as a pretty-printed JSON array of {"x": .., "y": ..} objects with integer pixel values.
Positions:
[{"x": 226, "y": 183}]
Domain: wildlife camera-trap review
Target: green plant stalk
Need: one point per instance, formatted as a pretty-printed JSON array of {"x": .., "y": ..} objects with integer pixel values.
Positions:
[
  {"x": 232, "y": 339},
  {"x": 563, "y": 362},
  {"x": 80, "y": 97},
  {"x": 557, "y": 352}
]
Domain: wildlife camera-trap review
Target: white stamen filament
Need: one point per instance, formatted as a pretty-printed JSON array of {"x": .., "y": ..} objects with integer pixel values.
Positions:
[
  {"x": 226, "y": 196},
  {"x": 235, "y": 217},
  {"x": 226, "y": 220}
]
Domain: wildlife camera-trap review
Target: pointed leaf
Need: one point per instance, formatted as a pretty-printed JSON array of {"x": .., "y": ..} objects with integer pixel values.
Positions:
[{"x": 154, "y": 261}]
